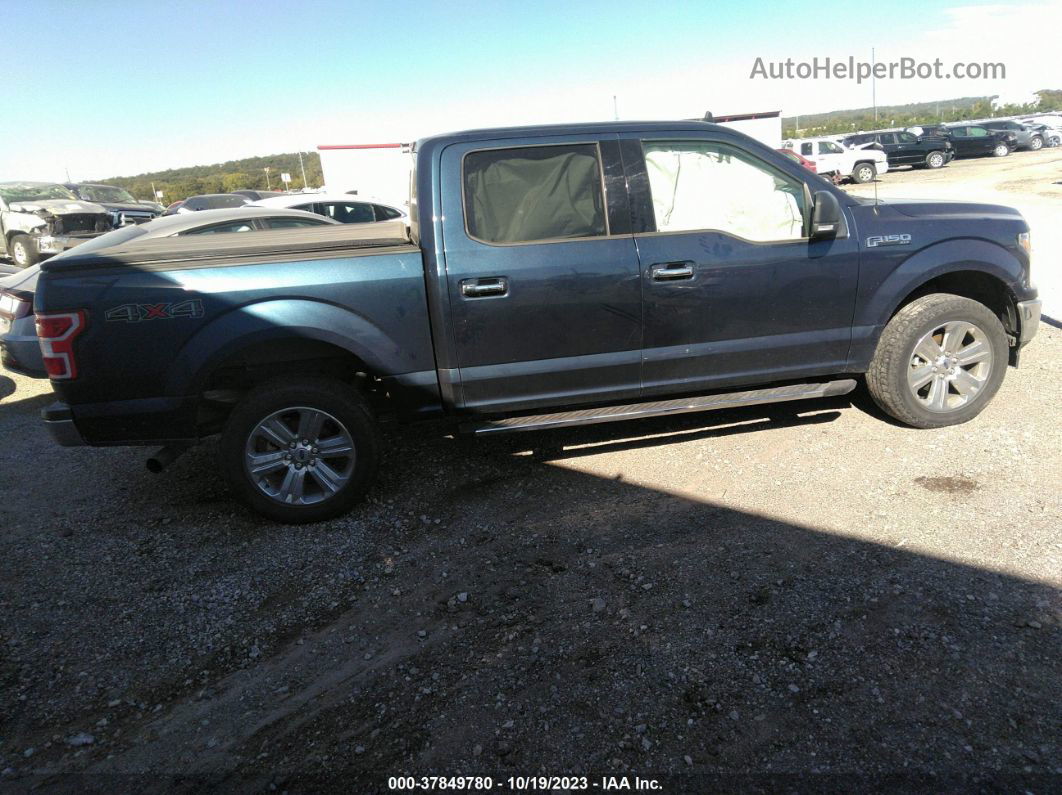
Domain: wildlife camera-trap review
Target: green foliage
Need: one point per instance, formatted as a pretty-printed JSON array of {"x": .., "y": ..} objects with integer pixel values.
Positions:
[
  {"x": 248, "y": 173},
  {"x": 914, "y": 114}
]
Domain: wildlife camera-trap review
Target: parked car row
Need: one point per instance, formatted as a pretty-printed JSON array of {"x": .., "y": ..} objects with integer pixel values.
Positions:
[
  {"x": 838, "y": 162},
  {"x": 862, "y": 156},
  {"x": 341, "y": 207}
]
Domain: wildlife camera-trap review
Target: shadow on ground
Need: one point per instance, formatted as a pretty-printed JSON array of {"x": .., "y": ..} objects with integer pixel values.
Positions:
[{"x": 508, "y": 616}]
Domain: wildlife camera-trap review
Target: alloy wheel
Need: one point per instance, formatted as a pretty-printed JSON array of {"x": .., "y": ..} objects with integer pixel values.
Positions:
[
  {"x": 949, "y": 366},
  {"x": 299, "y": 456}
]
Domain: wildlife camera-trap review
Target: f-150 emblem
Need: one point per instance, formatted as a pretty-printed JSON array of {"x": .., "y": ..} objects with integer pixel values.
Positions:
[
  {"x": 134, "y": 313},
  {"x": 888, "y": 240}
]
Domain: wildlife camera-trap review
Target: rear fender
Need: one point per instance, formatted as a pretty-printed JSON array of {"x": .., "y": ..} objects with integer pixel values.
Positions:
[{"x": 266, "y": 321}]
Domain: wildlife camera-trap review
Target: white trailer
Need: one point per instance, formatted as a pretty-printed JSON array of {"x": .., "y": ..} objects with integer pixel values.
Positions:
[
  {"x": 380, "y": 170},
  {"x": 765, "y": 127}
]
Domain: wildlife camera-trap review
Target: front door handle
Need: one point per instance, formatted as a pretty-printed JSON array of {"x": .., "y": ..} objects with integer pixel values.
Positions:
[
  {"x": 671, "y": 271},
  {"x": 481, "y": 288}
]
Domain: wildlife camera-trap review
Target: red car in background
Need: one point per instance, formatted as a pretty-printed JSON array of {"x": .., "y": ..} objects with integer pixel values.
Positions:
[{"x": 799, "y": 159}]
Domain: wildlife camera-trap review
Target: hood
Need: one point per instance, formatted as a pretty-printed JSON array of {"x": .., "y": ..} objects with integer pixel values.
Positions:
[
  {"x": 126, "y": 207},
  {"x": 57, "y": 206},
  {"x": 945, "y": 209}
]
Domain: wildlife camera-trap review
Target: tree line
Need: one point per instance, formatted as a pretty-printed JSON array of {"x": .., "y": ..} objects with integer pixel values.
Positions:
[{"x": 249, "y": 173}]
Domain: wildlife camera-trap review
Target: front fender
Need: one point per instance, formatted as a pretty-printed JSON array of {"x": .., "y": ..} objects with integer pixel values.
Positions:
[
  {"x": 884, "y": 289},
  {"x": 245, "y": 326}
]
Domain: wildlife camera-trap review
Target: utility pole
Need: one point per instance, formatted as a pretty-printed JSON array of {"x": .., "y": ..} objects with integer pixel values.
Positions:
[
  {"x": 874, "y": 86},
  {"x": 302, "y": 166},
  {"x": 615, "y": 108},
  {"x": 268, "y": 187},
  {"x": 68, "y": 174}
]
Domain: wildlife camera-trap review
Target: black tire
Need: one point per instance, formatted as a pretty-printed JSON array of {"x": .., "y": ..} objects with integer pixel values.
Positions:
[
  {"x": 343, "y": 407},
  {"x": 894, "y": 358},
  {"x": 24, "y": 251},
  {"x": 863, "y": 172},
  {"x": 935, "y": 159},
  {"x": 1036, "y": 143},
  {"x": 1000, "y": 150}
]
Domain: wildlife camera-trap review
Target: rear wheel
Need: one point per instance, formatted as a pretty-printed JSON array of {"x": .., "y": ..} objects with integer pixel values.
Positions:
[
  {"x": 935, "y": 159},
  {"x": 1001, "y": 150},
  {"x": 939, "y": 361},
  {"x": 864, "y": 172},
  {"x": 24, "y": 251},
  {"x": 300, "y": 451}
]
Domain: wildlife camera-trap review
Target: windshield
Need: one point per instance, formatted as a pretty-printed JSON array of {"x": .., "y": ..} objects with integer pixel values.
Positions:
[
  {"x": 33, "y": 192},
  {"x": 105, "y": 193}
]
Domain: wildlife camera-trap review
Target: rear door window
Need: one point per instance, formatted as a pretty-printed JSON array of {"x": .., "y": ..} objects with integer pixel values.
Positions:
[
  {"x": 385, "y": 213},
  {"x": 221, "y": 229},
  {"x": 348, "y": 212},
  {"x": 293, "y": 223},
  {"x": 525, "y": 194}
]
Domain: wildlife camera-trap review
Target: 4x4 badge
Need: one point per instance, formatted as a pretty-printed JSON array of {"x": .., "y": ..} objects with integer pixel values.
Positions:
[{"x": 134, "y": 313}]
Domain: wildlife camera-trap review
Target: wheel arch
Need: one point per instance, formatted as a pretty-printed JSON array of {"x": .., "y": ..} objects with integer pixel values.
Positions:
[
  {"x": 267, "y": 334},
  {"x": 972, "y": 268}
]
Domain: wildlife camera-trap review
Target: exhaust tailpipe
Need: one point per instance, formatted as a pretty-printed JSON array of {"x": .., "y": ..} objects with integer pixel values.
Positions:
[{"x": 166, "y": 456}]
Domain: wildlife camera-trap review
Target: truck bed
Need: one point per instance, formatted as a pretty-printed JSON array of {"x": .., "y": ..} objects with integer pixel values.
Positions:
[{"x": 260, "y": 246}]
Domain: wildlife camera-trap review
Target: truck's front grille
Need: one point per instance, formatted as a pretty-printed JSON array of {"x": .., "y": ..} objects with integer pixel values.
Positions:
[
  {"x": 81, "y": 222},
  {"x": 122, "y": 217}
]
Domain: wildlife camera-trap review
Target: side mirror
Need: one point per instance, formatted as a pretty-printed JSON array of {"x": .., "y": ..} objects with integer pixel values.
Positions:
[{"x": 826, "y": 217}]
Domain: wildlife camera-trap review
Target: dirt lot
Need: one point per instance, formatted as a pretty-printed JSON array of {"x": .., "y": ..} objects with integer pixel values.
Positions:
[{"x": 803, "y": 591}]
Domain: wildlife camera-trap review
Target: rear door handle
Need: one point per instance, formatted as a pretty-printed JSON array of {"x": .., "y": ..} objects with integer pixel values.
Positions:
[
  {"x": 671, "y": 271},
  {"x": 481, "y": 288}
]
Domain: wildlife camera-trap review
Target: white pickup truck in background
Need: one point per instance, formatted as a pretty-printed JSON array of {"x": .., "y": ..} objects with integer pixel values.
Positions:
[{"x": 833, "y": 160}]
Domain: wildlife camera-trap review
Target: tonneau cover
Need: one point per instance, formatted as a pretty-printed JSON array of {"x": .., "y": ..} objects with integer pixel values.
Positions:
[{"x": 264, "y": 245}]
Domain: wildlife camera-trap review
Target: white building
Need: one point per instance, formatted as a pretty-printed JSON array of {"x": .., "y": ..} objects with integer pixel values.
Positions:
[
  {"x": 765, "y": 127},
  {"x": 380, "y": 170}
]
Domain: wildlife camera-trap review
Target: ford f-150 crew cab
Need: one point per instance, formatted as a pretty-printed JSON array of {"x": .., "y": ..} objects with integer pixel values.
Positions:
[{"x": 552, "y": 276}]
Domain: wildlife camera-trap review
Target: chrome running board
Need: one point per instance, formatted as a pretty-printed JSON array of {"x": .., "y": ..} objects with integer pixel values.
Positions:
[{"x": 659, "y": 408}]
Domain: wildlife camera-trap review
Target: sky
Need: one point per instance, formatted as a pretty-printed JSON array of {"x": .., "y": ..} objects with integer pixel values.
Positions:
[{"x": 105, "y": 88}]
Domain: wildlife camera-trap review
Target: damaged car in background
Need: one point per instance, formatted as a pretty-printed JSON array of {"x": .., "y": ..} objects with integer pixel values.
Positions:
[
  {"x": 119, "y": 202},
  {"x": 38, "y": 219}
]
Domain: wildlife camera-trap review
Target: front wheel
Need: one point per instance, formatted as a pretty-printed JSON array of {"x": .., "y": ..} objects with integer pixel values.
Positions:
[
  {"x": 864, "y": 172},
  {"x": 1001, "y": 150},
  {"x": 939, "y": 361},
  {"x": 1036, "y": 143},
  {"x": 24, "y": 251},
  {"x": 935, "y": 159},
  {"x": 300, "y": 450}
]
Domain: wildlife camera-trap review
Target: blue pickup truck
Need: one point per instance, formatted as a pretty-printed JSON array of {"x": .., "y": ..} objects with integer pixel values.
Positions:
[{"x": 550, "y": 276}]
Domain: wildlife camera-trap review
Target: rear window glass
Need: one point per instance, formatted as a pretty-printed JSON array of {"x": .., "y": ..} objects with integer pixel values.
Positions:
[{"x": 534, "y": 193}]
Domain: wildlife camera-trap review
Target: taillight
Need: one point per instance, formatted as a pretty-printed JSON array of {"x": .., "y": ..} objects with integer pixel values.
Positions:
[
  {"x": 57, "y": 332},
  {"x": 14, "y": 306}
]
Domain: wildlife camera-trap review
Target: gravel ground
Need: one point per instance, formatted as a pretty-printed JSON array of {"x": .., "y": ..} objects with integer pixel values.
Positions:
[{"x": 805, "y": 590}]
